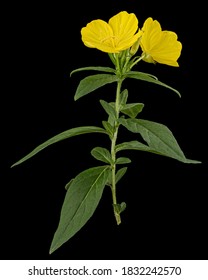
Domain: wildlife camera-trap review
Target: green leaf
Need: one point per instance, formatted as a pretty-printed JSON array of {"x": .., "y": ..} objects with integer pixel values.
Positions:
[
  {"x": 69, "y": 184},
  {"x": 143, "y": 73},
  {"x": 110, "y": 110},
  {"x": 122, "y": 206},
  {"x": 119, "y": 208},
  {"x": 109, "y": 128},
  {"x": 146, "y": 77},
  {"x": 120, "y": 173},
  {"x": 94, "y": 68},
  {"x": 138, "y": 146},
  {"x": 61, "y": 136},
  {"x": 132, "y": 109},
  {"x": 80, "y": 203},
  {"x": 133, "y": 145},
  {"x": 92, "y": 83},
  {"x": 123, "y": 160},
  {"x": 123, "y": 98},
  {"x": 102, "y": 154},
  {"x": 158, "y": 137}
]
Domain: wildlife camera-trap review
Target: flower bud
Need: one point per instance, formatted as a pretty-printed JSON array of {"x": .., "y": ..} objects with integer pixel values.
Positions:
[
  {"x": 147, "y": 58},
  {"x": 135, "y": 46}
]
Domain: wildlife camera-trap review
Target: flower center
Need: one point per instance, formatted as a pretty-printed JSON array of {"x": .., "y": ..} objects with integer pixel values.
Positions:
[{"x": 110, "y": 41}]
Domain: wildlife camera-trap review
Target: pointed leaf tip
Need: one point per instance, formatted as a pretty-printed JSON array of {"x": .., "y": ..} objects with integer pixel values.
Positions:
[
  {"x": 148, "y": 78},
  {"x": 80, "y": 202},
  {"x": 92, "y": 83},
  {"x": 159, "y": 138},
  {"x": 62, "y": 136},
  {"x": 93, "y": 68}
]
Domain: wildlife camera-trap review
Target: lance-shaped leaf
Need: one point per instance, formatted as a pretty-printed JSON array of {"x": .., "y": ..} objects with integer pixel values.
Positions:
[
  {"x": 94, "y": 68},
  {"x": 109, "y": 108},
  {"x": 80, "y": 202},
  {"x": 158, "y": 137},
  {"x": 102, "y": 154},
  {"x": 61, "y": 136},
  {"x": 133, "y": 145},
  {"x": 146, "y": 77},
  {"x": 109, "y": 128},
  {"x": 137, "y": 146},
  {"x": 123, "y": 160},
  {"x": 123, "y": 98},
  {"x": 132, "y": 109},
  {"x": 92, "y": 83},
  {"x": 119, "y": 174}
]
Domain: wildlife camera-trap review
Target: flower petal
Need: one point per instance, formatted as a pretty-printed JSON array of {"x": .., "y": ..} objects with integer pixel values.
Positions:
[
  {"x": 168, "y": 49},
  {"x": 98, "y": 34},
  {"x": 113, "y": 37},
  {"x": 151, "y": 36},
  {"x": 124, "y": 26},
  {"x": 160, "y": 46}
]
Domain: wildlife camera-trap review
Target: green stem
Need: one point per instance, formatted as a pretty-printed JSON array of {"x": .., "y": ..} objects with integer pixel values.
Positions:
[
  {"x": 113, "y": 153},
  {"x": 136, "y": 61}
]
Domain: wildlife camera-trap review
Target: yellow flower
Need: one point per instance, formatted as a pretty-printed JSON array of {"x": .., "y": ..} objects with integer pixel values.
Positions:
[
  {"x": 159, "y": 46},
  {"x": 112, "y": 37}
]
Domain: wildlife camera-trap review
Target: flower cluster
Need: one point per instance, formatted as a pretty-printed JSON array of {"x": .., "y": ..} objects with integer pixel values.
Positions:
[{"x": 122, "y": 33}]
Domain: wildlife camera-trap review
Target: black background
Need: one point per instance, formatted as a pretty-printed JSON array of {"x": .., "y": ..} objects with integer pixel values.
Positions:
[{"x": 166, "y": 213}]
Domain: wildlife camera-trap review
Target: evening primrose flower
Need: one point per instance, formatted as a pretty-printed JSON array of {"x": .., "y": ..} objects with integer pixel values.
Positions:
[
  {"x": 113, "y": 37},
  {"x": 159, "y": 46}
]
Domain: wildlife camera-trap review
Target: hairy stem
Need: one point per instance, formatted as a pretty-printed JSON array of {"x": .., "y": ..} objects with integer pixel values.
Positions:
[{"x": 113, "y": 153}]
